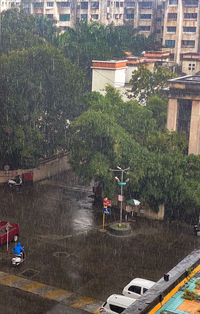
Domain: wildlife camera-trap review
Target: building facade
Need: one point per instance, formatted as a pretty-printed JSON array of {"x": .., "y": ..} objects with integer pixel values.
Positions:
[{"x": 176, "y": 23}]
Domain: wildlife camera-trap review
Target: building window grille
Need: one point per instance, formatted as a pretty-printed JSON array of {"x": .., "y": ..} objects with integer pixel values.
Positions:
[
  {"x": 50, "y": 16},
  {"x": 172, "y": 16},
  {"x": 117, "y": 4},
  {"x": 84, "y": 5},
  {"x": 145, "y": 28},
  {"x": 170, "y": 43},
  {"x": 95, "y": 5},
  {"x": 145, "y": 16},
  {"x": 191, "y": 3},
  {"x": 130, "y": 16},
  {"x": 130, "y": 4},
  {"x": 95, "y": 16},
  {"x": 171, "y": 29},
  {"x": 190, "y": 16},
  {"x": 188, "y": 43},
  {"x": 173, "y": 2},
  {"x": 145, "y": 5},
  {"x": 50, "y": 4},
  {"x": 64, "y": 17},
  {"x": 84, "y": 17},
  {"x": 189, "y": 29},
  {"x": 64, "y": 4},
  {"x": 39, "y": 5}
]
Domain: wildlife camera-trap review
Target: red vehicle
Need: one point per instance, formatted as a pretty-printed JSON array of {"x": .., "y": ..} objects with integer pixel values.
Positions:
[{"x": 12, "y": 229}]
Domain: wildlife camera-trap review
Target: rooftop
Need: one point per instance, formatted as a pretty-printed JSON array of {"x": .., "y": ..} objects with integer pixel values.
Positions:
[{"x": 188, "y": 79}]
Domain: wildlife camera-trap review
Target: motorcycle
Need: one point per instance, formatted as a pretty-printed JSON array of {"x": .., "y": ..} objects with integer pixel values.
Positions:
[
  {"x": 18, "y": 259},
  {"x": 15, "y": 183}
]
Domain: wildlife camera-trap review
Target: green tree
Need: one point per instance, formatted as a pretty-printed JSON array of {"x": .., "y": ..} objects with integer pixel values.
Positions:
[
  {"x": 40, "y": 91},
  {"x": 146, "y": 83},
  {"x": 21, "y": 30},
  {"x": 112, "y": 132}
]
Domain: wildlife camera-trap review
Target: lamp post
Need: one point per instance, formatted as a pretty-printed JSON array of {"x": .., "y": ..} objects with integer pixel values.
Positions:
[{"x": 121, "y": 183}]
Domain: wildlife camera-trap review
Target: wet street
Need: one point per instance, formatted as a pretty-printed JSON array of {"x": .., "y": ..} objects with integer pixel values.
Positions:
[{"x": 61, "y": 232}]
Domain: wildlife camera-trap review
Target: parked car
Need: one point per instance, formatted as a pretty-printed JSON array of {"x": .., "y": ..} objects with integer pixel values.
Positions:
[
  {"x": 13, "y": 232},
  {"x": 116, "y": 303},
  {"x": 137, "y": 287}
]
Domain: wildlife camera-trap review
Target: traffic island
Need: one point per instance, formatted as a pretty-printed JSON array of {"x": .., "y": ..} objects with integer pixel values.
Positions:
[{"x": 118, "y": 229}]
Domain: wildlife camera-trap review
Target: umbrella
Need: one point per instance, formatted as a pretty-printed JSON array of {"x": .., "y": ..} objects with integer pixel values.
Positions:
[{"x": 133, "y": 202}]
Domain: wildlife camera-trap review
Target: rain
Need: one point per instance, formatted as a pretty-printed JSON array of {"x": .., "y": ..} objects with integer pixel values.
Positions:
[{"x": 68, "y": 124}]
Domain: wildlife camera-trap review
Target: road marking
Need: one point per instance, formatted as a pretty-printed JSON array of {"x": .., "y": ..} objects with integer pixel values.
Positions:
[
  {"x": 9, "y": 280},
  {"x": 32, "y": 286},
  {"x": 56, "y": 294},
  {"x": 80, "y": 302},
  {"x": 60, "y": 295}
]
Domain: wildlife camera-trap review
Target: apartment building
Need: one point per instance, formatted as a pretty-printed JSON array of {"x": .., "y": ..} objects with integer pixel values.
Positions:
[{"x": 176, "y": 23}]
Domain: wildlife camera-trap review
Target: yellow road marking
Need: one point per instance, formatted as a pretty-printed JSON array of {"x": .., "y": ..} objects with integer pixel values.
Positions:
[
  {"x": 81, "y": 301},
  {"x": 32, "y": 286},
  {"x": 56, "y": 294},
  {"x": 9, "y": 279}
]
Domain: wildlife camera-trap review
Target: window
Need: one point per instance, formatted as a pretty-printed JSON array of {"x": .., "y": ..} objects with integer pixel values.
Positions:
[
  {"x": 171, "y": 29},
  {"x": 116, "y": 308},
  {"x": 184, "y": 116},
  {"x": 64, "y": 17},
  {"x": 94, "y": 16},
  {"x": 190, "y": 16},
  {"x": 95, "y": 5},
  {"x": 173, "y": 2},
  {"x": 84, "y": 17},
  {"x": 50, "y": 16},
  {"x": 130, "y": 16},
  {"x": 191, "y": 3},
  {"x": 39, "y": 5},
  {"x": 145, "y": 16},
  {"x": 64, "y": 4},
  {"x": 145, "y": 5},
  {"x": 145, "y": 290},
  {"x": 121, "y": 4},
  {"x": 108, "y": 3},
  {"x": 172, "y": 16},
  {"x": 50, "y": 4},
  {"x": 144, "y": 28},
  {"x": 191, "y": 67},
  {"x": 117, "y": 4},
  {"x": 170, "y": 43},
  {"x": 130, "y": 4},
  {"x": 189, "y": 29},
  {"x": 84, "y": 5},
  {"x": 135, "y": 289},
  {"x": 188, "y": 43}
]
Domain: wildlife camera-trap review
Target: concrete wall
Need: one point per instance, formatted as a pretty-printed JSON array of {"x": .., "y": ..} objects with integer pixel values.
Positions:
[{"x": 45, "y": 170}]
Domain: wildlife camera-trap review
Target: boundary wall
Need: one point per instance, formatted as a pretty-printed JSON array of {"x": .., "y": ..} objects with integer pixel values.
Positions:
[{"x": 45, "y": 169}]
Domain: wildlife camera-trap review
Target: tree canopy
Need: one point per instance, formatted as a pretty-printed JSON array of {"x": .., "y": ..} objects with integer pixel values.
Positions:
[
  {"x": 20, "y": 30},
  {"x": 40, "y": 91},
  {"x": 113, "y": 132}
]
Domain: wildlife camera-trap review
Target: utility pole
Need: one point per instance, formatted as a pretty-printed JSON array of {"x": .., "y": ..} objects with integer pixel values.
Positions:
[{"x": 121, "y": 183}]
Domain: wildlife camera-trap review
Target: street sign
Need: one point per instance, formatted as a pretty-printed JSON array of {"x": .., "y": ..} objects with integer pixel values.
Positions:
[
  {"x": 106, "y": 211},
  {"x": 106, "y": 202},
  {"x": 122, "y": 183},
  {"x": 120, "y": 198}
]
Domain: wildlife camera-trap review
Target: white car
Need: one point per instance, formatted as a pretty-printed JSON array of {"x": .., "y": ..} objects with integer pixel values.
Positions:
[
  {"x": 137, "y": 287},
  {"x": 116, "y": 303}
]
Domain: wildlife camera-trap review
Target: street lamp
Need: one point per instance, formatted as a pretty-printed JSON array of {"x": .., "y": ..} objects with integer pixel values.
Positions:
[{"x": 121, "y": 183}]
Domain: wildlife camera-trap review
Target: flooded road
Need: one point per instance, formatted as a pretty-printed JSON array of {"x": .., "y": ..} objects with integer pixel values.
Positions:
[{"x": 66, "y": 248}]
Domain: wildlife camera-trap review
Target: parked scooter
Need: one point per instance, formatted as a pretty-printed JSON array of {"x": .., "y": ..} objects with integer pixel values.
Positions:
[
  {"x": 18, "y": 259},
  {"x": 16, "y": 182}
]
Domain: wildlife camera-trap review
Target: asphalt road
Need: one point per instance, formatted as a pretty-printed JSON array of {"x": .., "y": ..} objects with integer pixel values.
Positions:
[{"x": 66, "y": 248}]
